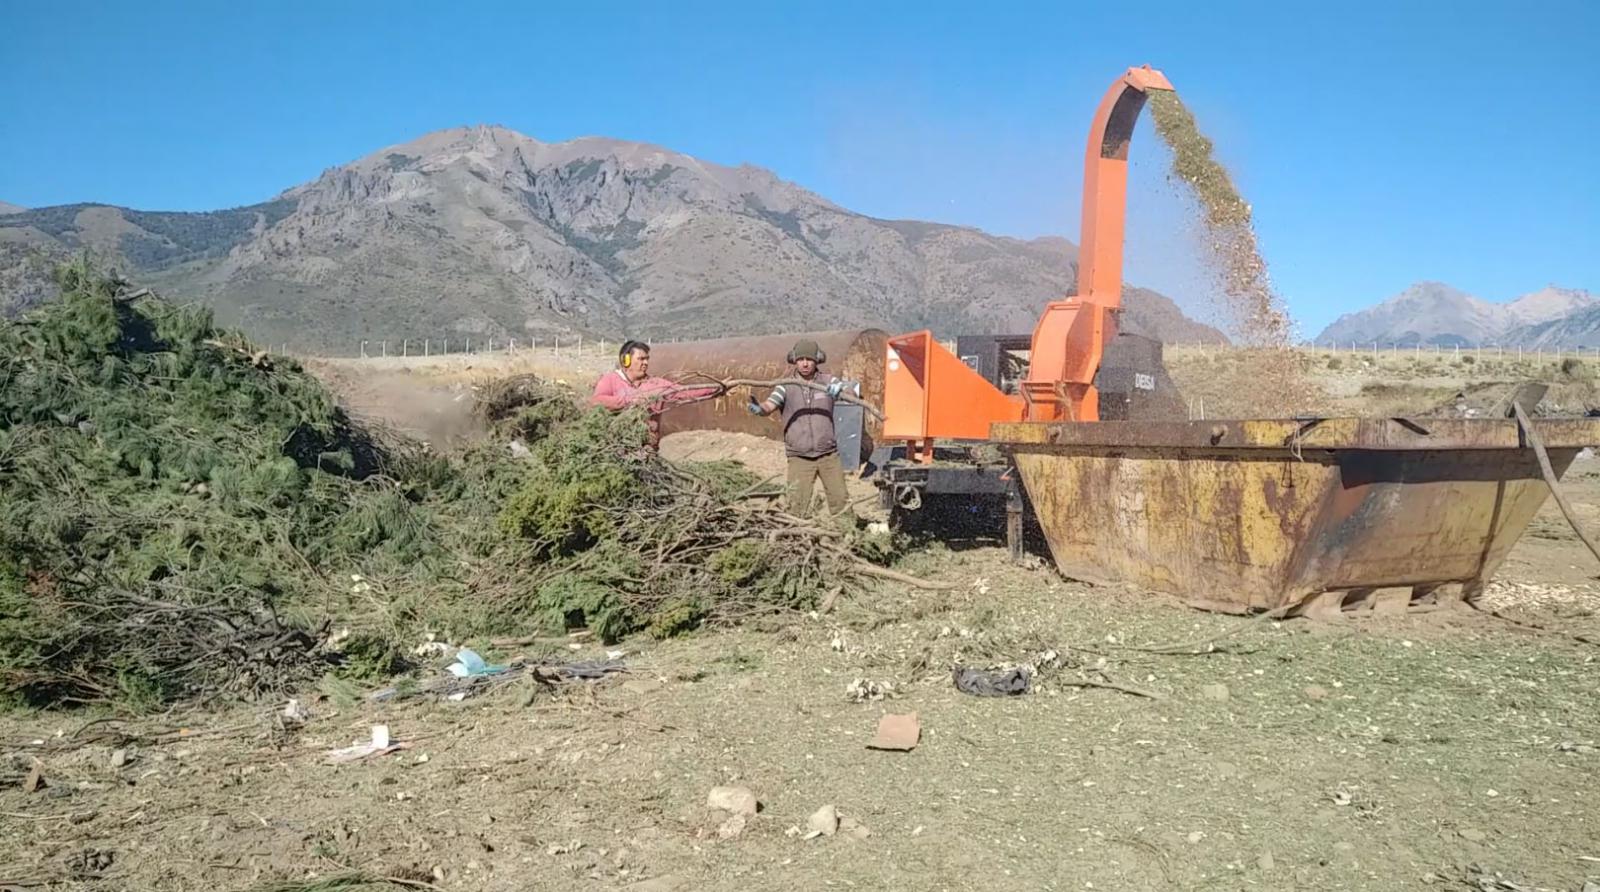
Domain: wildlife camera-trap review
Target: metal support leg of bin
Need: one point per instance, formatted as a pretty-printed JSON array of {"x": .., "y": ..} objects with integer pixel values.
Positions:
[{"x": 1014, "y": 519}]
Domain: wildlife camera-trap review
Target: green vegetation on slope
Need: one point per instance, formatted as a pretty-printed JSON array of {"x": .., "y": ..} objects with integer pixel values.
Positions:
[{"x": 167, "y": 237}]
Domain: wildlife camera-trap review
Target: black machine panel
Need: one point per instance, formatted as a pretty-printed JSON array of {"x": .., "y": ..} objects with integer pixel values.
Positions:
[{"x": 1133, "y": 380}]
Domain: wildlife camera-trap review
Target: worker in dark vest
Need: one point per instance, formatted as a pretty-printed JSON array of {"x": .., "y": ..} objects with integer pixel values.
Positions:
[{"x": 808, "y": 436}]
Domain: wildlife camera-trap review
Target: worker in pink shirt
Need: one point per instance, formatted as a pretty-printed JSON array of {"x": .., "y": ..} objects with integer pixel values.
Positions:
[{"x": 630, "y": 384}]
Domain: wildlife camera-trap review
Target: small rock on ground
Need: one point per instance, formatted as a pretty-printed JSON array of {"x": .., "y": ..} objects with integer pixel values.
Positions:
[
  {"x": 824, "y": 820},
  {"x": 1216, "y": 692},
  {"x": 35, "y": 779},
  {"x": 1472, "y": 835},
  {"x": 738, "y": 800},
  {"x": 1316, "y": 692},
  {"x": 732, "y": 827}
]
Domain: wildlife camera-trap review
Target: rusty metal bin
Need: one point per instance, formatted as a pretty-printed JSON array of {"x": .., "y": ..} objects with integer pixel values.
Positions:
[{"x": 1260, "y": 514}]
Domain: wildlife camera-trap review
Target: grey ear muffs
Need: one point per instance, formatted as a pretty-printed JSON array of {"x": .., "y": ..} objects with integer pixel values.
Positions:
[{"x": 790, "y": 358}]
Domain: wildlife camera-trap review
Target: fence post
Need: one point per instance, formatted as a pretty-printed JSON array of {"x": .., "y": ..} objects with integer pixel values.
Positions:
[
  {"x": 363, "y": 349},
  {"x": 425, "y": 346},
  {"x": 580, "y": 345},
  {"x": 384, "y": 347},
  {"x": 405, "y": 346}
]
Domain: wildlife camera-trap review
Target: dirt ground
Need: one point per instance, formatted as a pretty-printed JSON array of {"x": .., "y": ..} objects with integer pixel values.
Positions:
[
  {"x": 762, "y": 456},
  {"x": 1216, "y": 383},
  {"x": 1452, "y": 750},
  {"x": 431, "y": 398}
]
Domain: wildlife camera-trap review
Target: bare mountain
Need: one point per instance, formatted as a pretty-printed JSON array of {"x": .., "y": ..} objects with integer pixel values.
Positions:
[
  {"x": 484, "y": 232},
  {"x": 7, "y": 207},
  {"x": 1427, "y": 312},
  {"x": 1548, "y": 304},
  {"x": 1579, "y": 328},
  {"x": 1435, "y": 313},
  {"x": 167, "y": 246}
]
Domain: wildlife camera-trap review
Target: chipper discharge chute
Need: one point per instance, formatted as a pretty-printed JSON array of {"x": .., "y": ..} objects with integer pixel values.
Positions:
[{"x": 1235, "y": 515}]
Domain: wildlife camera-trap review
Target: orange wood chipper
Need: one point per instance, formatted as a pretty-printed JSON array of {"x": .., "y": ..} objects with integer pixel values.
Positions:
[{"x": 1088, "y": 436}]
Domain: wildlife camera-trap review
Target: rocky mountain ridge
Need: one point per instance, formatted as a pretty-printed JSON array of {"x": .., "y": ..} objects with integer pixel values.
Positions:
[
  {"x": 1433, "y": 313},
  {"x": 484, "y": 232}
]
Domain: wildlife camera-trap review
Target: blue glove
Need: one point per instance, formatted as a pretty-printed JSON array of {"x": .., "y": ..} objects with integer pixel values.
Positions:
[
  {"x": 753, "y": 407},
  {"x": 835, "y": 388}
]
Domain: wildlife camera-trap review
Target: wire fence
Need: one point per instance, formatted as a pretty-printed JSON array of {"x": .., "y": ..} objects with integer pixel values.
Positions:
[
  {"x": 555, "y": 345},
  {"x": 1393, "y": 348},
  {"x": 575, "y": 346}
]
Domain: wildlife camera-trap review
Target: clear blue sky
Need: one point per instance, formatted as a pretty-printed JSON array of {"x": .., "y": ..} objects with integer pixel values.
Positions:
[{"x": 1380, "y": 143}]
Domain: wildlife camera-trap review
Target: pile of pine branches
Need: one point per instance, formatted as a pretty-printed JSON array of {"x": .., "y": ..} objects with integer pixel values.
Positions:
[{"x": 184, "y": 516}]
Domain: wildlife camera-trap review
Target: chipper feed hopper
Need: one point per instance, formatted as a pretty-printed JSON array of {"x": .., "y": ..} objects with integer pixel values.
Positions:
[{"x": 1318, "y": 513}]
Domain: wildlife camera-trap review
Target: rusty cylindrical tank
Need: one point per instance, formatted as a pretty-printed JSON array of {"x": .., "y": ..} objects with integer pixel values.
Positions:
[{"x": 854, "y": 355}]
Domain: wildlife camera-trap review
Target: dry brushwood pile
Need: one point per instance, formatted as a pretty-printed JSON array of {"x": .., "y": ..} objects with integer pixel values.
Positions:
[
  {"x": 628, "y": 541},
  {"x": 183, "y": 517}
]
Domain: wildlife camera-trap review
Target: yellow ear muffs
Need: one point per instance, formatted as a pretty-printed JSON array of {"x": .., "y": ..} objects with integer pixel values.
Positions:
[{"x": 625, "y": 355}]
